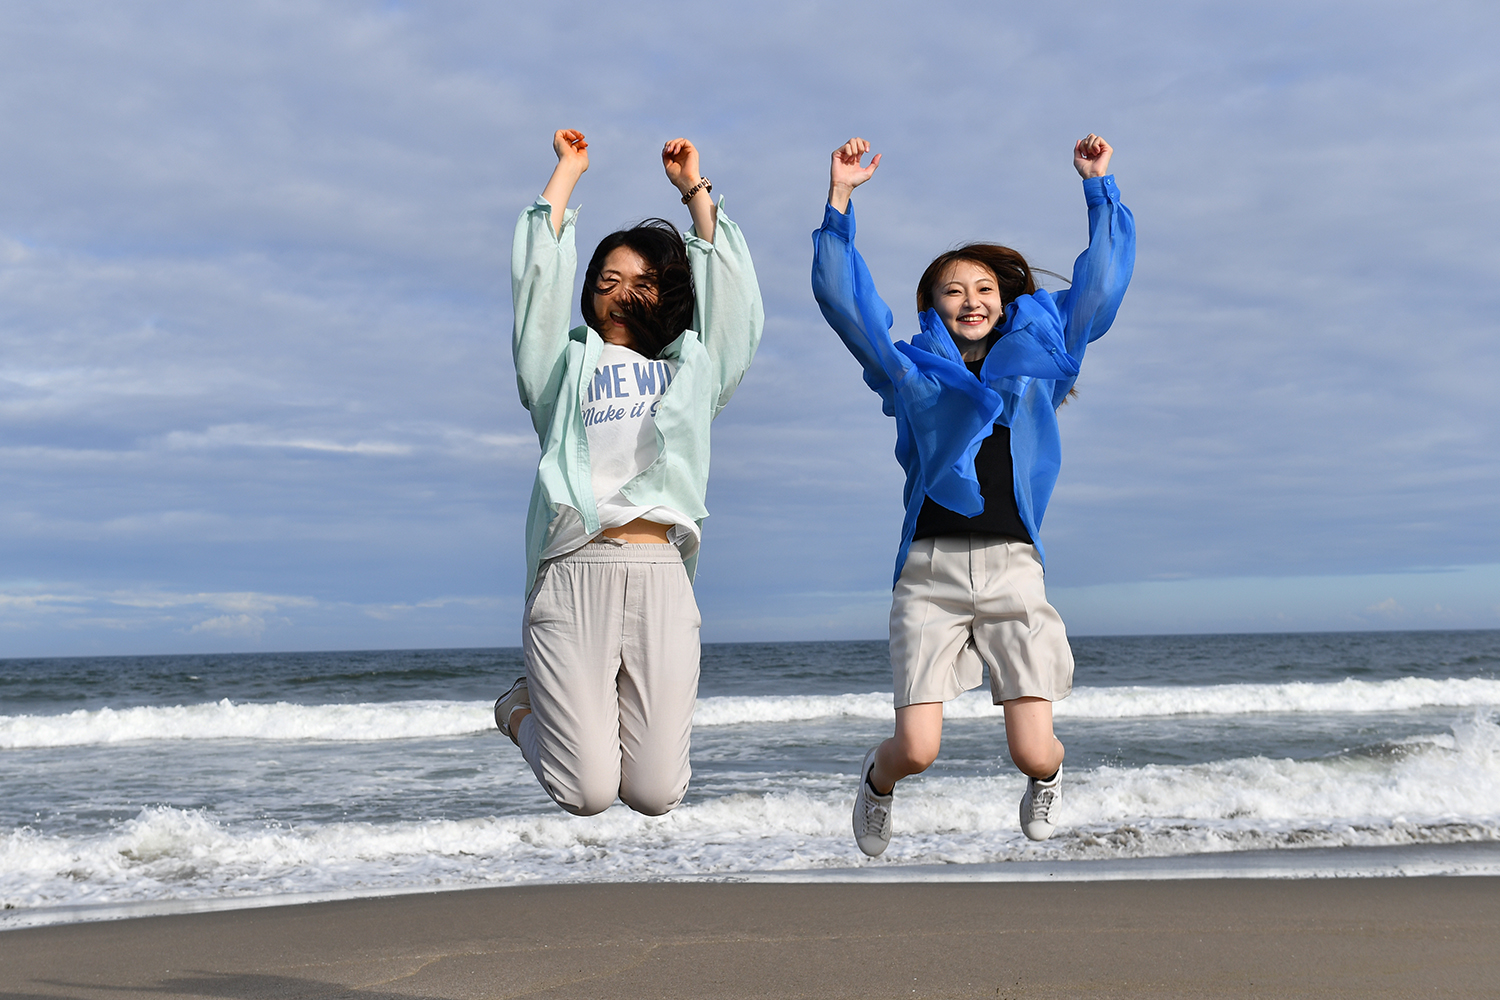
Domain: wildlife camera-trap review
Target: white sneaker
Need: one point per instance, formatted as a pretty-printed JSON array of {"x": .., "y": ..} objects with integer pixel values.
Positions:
[
  {"x": 872, "y": 812},
  {"x": 506, "y": 705},
  {"x": 1039, "y": 806}
]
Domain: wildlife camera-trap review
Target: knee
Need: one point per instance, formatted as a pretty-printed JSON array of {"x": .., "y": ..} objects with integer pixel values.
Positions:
[
  {"x": 653, "y": 798},
  {"x": 585, "y": 798},
  {"x": 589, "y": 805},
  {"x": 1038, "y": 758},
  {"x": 915, "y": 754}
]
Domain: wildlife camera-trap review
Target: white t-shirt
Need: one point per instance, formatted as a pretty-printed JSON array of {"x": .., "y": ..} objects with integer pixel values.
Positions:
[{"x": 619, "y": 417}]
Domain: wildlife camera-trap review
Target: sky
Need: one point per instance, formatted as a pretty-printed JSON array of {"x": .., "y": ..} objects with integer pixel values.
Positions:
[{"x": 255, "y": 378}]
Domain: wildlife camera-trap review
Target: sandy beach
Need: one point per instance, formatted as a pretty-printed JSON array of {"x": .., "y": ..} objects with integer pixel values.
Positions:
[{"x": 1195, "y": 938}]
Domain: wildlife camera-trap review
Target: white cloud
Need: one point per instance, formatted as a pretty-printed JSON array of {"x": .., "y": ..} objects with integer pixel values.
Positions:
[
  {"x": 254, "y": 312},
  {"x": 241, "y": 602},
  {"x": 234, "y": 626},
  {"x": 247, "y": 436},
  {"x": 38, "y": 619},
  {"x": 1389, "y": 609},
  {"x": 38, "y": 603}
]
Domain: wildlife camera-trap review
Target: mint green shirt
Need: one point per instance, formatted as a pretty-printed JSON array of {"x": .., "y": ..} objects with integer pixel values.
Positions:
[{"x": 554, "y": 365}]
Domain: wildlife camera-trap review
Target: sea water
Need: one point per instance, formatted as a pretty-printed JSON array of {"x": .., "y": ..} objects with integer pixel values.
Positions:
[{"x": 241, "y": 777}]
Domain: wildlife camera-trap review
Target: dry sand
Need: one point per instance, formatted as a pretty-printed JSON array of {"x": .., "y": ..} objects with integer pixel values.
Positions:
[{"x": 1392, "y": 937}]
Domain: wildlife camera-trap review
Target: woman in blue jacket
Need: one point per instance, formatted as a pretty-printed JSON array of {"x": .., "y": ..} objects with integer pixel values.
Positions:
[{"x": 975, "y": 396}]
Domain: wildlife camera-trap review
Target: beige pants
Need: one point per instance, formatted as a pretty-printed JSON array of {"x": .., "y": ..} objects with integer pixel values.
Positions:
[
  {"x": 611, "y": 649},
  {"x": 965, "y": 602}
]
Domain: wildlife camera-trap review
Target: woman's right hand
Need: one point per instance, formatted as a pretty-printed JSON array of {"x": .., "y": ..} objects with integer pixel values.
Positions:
[
  {"x": 845, "y": 174},
  {"x": 570, "y": 148}
]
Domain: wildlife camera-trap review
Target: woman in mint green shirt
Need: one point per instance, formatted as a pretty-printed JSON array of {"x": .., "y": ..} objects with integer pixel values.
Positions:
[{"x": 622, "y": 406}]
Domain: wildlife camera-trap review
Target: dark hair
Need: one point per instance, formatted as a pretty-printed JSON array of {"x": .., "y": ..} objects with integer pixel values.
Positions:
[{"x": 653, "y": 325}]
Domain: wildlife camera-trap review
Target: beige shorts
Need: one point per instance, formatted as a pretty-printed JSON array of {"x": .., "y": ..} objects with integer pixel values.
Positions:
[{"x": 965, "y": 602}]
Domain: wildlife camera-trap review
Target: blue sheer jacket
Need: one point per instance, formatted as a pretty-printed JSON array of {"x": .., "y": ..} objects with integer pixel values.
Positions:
[{"x": 942, "y": 411}]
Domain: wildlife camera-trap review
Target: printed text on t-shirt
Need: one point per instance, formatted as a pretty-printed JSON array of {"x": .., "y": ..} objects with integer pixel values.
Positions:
[{"x": 614, "y": 382}]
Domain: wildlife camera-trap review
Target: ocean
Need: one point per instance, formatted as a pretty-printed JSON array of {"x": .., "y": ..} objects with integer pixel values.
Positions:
[{"x": 197, "y": 781}]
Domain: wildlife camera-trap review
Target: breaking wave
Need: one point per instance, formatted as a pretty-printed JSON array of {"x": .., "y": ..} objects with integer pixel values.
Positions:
[
  {"x": 1442, "y": 788},
  {"x": 424, "y": 719}
]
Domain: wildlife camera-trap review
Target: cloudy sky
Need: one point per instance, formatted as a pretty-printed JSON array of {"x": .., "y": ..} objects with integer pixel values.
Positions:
[{"x": 255, "y": 384}]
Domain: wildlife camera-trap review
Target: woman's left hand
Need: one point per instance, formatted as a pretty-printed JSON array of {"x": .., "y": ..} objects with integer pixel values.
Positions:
[
  {"x": 680, "y": 159},
  {"x": 1091, "y": 156}
]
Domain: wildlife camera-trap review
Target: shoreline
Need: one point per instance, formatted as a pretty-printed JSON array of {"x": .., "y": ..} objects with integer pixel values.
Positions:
[
  {"x": 1306, "y": 938},
  {"x": 1460, "y": 860}
]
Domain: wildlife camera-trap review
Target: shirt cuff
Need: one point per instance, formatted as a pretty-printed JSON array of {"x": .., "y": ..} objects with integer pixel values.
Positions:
[
  {"x": 569, "y": 214},
  {"x": 1098, "y": 190},
  {"x": 841, "y": 224},
  {"x": 691, "y": 237}
]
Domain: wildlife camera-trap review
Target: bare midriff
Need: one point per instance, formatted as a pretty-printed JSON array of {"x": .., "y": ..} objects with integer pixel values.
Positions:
[{"x": 641, "y": 532}]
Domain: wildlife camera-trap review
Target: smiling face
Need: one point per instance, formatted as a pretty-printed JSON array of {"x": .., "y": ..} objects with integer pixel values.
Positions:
[
  {"x": 625, "y": 276},
  {"x": 967, "y": 299}
]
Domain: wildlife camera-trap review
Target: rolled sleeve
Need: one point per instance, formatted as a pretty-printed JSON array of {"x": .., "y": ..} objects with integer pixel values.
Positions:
[
  {"x": 729, "y": 315},
  {"x": 543, "y": 265}
]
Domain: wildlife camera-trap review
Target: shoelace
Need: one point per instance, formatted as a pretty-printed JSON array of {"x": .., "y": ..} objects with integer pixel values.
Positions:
[
  {"x": 877, "y": 817},
  {"x": 1042, "y": 800}
]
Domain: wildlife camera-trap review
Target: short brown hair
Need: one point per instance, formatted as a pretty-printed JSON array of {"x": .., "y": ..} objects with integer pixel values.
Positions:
[{"x": 1010, "y": 269}]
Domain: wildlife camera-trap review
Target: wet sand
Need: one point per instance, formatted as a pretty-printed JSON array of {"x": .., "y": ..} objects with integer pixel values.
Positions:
[{"x": 1384, "y": 937}]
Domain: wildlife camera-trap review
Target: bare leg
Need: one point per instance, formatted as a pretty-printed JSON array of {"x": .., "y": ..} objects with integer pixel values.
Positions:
[
  {"x": 1028, "y": 731},
  {"x": 919, "y": 734}
]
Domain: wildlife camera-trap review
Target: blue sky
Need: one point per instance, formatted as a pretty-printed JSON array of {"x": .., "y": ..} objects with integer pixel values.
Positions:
[{"x": 256, "y": 393}]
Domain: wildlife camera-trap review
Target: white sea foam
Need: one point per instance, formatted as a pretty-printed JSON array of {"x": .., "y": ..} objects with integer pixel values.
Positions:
[
  {"x": 732, "y": 710},
  {"x": 1431, "y": 789},
  {"x": 1338, "y": 698},
  {"x": 416, "y": 719},
  {"x": 1346, "y": 696},
  {"x": 228, "y": 720}
]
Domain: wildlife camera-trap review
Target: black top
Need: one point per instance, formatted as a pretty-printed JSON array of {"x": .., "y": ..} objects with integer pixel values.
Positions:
[{"x": 997, "y": 484}]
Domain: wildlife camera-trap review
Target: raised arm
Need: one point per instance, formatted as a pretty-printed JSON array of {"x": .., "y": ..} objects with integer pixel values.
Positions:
[
  {"x": 1102, "y": 272},
  {"x": 543, "y": 263},
  {"x": 845, "y": 174},
  {"x": 572, "y": 161},
  {"x": 679, "y": 158},
  {"x": 727, "y": 313},
  {"x": 841, "y": 281}
]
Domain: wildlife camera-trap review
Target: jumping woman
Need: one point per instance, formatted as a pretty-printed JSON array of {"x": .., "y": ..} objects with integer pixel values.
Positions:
[
  {"x": 622, "y": 405},
  {"x": 975, "y": 396}
]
